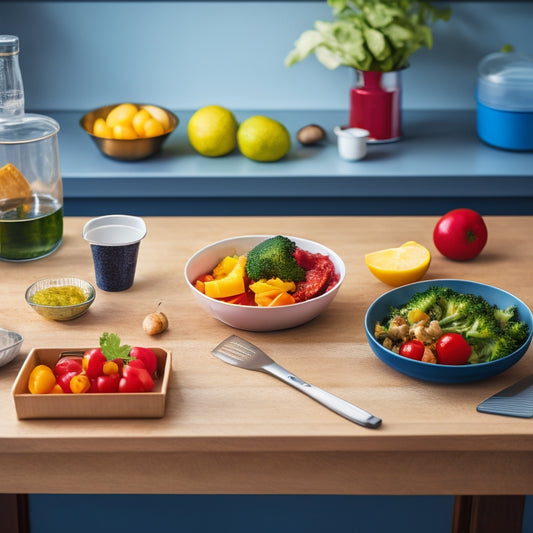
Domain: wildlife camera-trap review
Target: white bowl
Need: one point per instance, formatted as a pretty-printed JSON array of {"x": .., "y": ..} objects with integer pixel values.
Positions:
[
  {"x": 258, "y": 318},
  {"x": 10, "y": 343}
]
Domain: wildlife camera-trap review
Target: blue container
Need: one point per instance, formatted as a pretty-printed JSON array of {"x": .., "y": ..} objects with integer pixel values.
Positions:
[{"x": 504, "y": 98}]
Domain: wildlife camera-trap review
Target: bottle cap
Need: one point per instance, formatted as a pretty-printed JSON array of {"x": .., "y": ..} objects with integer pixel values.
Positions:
[{"x": 9, "y": 45}]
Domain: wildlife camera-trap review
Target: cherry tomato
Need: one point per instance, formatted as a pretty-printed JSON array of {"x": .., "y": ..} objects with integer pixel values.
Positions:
[
  {"x": 80, "y": 384},
  {"x": 64, "y": 380},
  {"x": 147, "y": 356},
  {"x": 42, "y": 380},
  {"x": 68, "y": 364},
  {"x": 452, "y": 349},
  {"x": 460, "y": 234},
  {"x": 108, "y": 383},
  {"x": 135, "y": 379},
  {"x": 93, "y": 362},
  {"x": 413, "y": 349}
]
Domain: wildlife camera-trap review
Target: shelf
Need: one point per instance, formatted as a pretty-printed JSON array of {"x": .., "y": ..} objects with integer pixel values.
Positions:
[{"x": 439, "y": 160}]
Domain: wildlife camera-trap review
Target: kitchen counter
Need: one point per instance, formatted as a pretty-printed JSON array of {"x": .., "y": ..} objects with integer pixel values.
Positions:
[
  {"x": 440, "y": 163},
  {"x": 227, "y": 430}
]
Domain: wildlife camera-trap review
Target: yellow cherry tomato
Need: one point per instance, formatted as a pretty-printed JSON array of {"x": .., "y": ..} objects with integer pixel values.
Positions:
[
  {"x": 42, "y": 380},
  {"x": 80, "y": 384},
  {"x": 110, "y": 367}
]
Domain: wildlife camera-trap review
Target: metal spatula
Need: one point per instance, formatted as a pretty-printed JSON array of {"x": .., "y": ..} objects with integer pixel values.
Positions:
[{"x": 239, "y": 352}]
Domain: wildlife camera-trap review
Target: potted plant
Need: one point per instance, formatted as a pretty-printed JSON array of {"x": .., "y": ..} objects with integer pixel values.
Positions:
[{"x": 376, "y": 38}]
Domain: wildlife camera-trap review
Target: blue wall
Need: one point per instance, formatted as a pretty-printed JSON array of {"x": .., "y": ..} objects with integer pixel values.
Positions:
[{"x": 184, "y": 55}]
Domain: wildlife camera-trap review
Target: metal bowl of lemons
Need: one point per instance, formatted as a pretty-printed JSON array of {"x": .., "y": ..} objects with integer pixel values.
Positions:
[
  {"x": 129, "y": 131},
  {"x": 60, "y": 298}
]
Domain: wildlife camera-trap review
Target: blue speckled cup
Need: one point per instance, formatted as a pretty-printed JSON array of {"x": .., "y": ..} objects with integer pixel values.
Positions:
[{"x": 115, "y": 242}]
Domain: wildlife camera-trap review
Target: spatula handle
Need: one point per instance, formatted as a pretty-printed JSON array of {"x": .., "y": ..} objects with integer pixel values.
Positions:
[{"x": 336, "y": 404}]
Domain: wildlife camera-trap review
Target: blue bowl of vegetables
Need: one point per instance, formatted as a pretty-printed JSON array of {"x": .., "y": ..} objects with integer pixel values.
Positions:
[{"x": 507, "y": 307}]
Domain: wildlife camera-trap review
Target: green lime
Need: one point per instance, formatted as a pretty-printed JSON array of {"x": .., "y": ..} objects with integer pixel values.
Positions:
[{"x": 263, "y": 139}]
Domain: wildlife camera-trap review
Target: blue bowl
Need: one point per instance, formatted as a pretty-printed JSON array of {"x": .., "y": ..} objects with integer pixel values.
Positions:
[{"x": 445, "y": 373}]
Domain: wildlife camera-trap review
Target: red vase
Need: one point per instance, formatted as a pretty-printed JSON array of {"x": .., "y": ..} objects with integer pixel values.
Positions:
[{"x": 375, "y": 105}]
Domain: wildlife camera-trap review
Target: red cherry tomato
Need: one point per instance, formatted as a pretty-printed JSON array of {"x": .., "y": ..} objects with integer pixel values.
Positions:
[
  {"x": 413, "y": 349},
  {"x": 147, "y": 356},
  {"x": 135, "y": 379},
  {"x": 93, "y": 362},
  {"x": 67, "y": 364},
  {"x": 64, "y": 380},
  {"x": 108, "y": 383},
  {"x": 452, "y": 349},
  {"x": 460, "y": 234}
]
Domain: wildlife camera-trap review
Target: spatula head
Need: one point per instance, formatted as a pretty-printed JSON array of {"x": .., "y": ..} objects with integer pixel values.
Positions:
[{"x": 239, "y": 352}]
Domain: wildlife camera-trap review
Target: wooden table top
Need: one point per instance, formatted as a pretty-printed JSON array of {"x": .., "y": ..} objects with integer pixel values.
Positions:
[{"x": 228, "y": 430}]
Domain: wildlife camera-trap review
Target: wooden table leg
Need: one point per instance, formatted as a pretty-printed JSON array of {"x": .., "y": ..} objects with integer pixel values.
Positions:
[
  {"x": 14, "y": 510},
  {"x": 488, "y": 514}
]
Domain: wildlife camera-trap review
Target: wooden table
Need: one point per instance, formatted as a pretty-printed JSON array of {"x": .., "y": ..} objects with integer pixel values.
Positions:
[{"x": 227, "y": 430}]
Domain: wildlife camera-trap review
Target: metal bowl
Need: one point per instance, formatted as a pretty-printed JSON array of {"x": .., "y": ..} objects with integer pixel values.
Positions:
[
  {"x": 61, "y": 312},
  {"x": 10, "y": 343},
  {"x": 126, "y": 149}
]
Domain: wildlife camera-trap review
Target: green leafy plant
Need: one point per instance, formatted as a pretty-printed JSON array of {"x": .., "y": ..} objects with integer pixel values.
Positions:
[{"x": 370, "y": 34}]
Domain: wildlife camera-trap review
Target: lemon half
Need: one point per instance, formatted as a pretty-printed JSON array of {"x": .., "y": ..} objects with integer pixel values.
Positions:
[{"x": 398, "y": 266}]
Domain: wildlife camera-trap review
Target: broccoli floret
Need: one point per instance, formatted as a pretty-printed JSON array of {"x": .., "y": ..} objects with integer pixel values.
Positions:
[
  {"x": 431, "y": 301},
  {"x": 273, "y": 258},
  {"x": 491, "y": 332},
  {"x": 505, "y": 315}
]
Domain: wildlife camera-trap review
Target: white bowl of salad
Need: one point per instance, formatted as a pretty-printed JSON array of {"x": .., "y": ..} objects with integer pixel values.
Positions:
[{"x": 264, "y": 282}]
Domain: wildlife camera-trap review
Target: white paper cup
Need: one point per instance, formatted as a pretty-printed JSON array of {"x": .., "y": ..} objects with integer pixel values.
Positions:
[
  {"x": 115, "y": 242},
  {"x": 351, "y": 142}
]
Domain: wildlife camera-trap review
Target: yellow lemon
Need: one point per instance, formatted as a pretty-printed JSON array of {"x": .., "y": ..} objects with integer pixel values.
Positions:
[
  {"x": 399, "y": 266},
  {"x": 101, "y": 129},
  {"x": 124, "y": 132},
  {"x": 212, "y": 131},
  {"x": 121, "y": 114},
  {"x": 159, "y": 114},
  {"x": 139, "y": 120},
  {"x": 153, "y": 128},
  {"x": 263, "y": 139}
]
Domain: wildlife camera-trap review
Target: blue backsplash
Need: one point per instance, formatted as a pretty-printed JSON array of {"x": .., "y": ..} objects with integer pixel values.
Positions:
[{"x": 184, "y": 55}]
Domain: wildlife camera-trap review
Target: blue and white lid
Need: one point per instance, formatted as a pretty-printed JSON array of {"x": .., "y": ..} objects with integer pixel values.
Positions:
[{"x": 505, "y": 82}]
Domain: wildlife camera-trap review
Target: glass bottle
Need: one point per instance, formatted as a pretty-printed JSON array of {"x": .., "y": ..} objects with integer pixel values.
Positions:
[
  {"x": 31, "y": 190},
  {"x": 11, "y": 87}
]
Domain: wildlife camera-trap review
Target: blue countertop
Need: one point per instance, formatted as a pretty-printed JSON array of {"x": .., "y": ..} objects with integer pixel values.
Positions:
[{"x": 439, "y": 160}]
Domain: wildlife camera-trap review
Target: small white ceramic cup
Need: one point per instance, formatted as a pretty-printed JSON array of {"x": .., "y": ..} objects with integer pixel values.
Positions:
[{"x": 351, "y": 142}]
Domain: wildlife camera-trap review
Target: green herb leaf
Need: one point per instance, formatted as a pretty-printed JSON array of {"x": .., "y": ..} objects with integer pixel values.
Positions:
[{"x": 111, "y": 348}]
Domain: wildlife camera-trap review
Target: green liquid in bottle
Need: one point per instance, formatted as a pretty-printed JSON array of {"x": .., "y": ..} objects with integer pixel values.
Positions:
[{"x": 31, "y": 235}]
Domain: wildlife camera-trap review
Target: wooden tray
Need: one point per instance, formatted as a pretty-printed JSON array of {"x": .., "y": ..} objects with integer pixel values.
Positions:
[{"x": 90, "y": 405}]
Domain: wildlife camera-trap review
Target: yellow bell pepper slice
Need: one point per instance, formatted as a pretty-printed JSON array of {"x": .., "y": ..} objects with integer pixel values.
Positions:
[
  {"x": 225, "y": 267},
  {"x": 271, "y": 284},
  {"x": 229, "y": 285}
]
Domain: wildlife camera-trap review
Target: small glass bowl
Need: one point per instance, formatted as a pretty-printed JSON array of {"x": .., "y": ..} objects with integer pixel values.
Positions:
[
  {"x": 10, "y": 343},
  {"x": 61, "y": 312}
]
